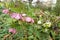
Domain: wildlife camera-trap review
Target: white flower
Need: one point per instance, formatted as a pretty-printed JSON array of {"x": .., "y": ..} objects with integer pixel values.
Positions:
[
  {"x": 40, "y": 15},
  {"x": 46, "y": 30},
  {"x": 39, "y": 22},
  {"x": 47, "y": 24},
  {"x": 23, "y": 15}
]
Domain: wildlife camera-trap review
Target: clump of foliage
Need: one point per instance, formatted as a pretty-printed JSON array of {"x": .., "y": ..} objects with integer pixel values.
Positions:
[{"x": 57, "y": 8}]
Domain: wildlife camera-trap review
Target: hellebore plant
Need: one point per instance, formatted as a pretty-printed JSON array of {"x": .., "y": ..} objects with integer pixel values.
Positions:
[
  {"x": 28, "y": 25},
  {"x": 18, "y": 16},
  {"x": 26, "y": 22}
]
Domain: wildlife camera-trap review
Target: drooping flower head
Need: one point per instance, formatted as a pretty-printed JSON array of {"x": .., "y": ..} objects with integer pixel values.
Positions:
[
  {"x": 28, "y": 19},
  {"x": 12, "y": 30},
  {"x": 13, "y": 15},
  {"x": 16, "y": 16},
  {"x": 6, "y": 11}
]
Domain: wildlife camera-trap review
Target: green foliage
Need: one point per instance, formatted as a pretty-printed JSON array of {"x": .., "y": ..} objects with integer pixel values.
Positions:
[
  {"x": 16, "y": 7},
  {"x": 47, "y": 30},
  {"x": 57, "y": 8}
]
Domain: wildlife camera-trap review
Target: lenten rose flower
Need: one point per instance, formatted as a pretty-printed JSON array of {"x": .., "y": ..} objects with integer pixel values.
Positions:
[
  {"x": 6, "y": 11},
  {"x": 39, "y": 22},
  {"x": 16, "y": 16},
  {"x": 28, "y": 19},
  {"x": 13, "y": 15},
  {"x": 47, "y": 24},
  {"x": 12, "y": 30}
]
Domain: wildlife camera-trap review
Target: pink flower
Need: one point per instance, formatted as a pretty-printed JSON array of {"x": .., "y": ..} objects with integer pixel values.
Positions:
[
  {"x": 28, "y": 19},
  {"x": 6, "y": 11},
  {"x": 13, "y": 15},
  {"x": 32, "y": 21},
  {"x": 12, "y": 30},
  {"x": 16, "y": 16}
]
